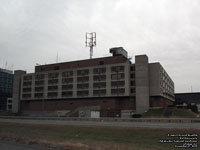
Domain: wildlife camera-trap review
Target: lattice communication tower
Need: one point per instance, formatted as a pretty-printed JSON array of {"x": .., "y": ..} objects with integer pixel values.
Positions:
[{"x": 90, "y": 41}]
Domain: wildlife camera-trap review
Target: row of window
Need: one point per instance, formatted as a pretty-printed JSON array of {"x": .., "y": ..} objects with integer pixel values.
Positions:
[
  {"x": 96, "y": 78},
  {"x": 79, "y": 86},
  {"x": 95, "y": 91},
  {"x": 102, "y": 92},
  {"x": 83, "y": 72}
]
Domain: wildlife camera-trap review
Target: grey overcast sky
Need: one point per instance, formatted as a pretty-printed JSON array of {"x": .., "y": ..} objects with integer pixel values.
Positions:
[{"x": 168, "y": 31}]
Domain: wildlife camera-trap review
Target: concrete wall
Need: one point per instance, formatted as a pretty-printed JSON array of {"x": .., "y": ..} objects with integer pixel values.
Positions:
[
  {"x": 142, "y": 83},
  {"x": 17, "y": 90},
  {"x": 107, "y": 88},
  {"x": 154, "y": 79},
  {"x": 160, "y": 83}
]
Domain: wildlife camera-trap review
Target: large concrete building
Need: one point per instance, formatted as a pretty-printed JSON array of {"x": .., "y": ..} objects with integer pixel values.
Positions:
[
  {"x": 6, "y": 84},
  {"x": 108, "y": 87}
]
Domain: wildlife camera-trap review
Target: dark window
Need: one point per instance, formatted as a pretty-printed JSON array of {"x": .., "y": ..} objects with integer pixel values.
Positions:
[
  {"x": 52, "y": 88},
  {"x": 133, "y": 68},
  {"x": 101, "y": 63},
  {"x": 56, "y": 68},
  {"x": 38, "y": 95},
  {"x": 83, "y": 86},
  {"x": 53, "y": 81},
  {"x": 67, "y": 80},
  {"x": 99, "y": 70},
  {"x": 52, "y": 94},
  {"x": 42, "y": 69},
  {"x": 26, "y": 89},
  {"x": 117, "y": 69},
  {"x": 28, "y": 77},
  {"x": 99, "y": 92},
  {"x": 117, "y": 76},
  {"x": 82, "y": 79},
  {"x": 133, "y": 83},
  {"x": 26, "y": 95},
  {"x": 9, "y": 106},
  {"x": 67, "y": 87},
  {"x": 120, "y": 91},
  {"x": 67, "y": 94},
  {"x": 99, "y": 77},
  {"x": 39, "y": 89},
  {"x": 52, "y": 75},
  {"x": 39, "y": 76},
  {"x": 67, "y": 74},
  {"x": 132, "y": 75},
  {"x": 83, "y": 72},
  {"x": 40, "y": 82},
  {"x": 132, "y": 90},
  {"x": 117, "y": 83},
  {"x": 99, "y": 85},
  {"x": 82, "y": 93}
]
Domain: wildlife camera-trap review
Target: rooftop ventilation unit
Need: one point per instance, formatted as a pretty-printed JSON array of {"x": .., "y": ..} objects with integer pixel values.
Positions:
[{"x": 119, "y": 51}]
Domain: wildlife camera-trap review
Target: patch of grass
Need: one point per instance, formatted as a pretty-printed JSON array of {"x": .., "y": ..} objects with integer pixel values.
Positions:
[
  {"x": 154, "y": 113},
  {"x": 183, "y": 113},
  {"x": 92, "y": 137}
]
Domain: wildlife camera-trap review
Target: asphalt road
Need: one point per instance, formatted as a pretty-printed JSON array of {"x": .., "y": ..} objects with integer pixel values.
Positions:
[
  {"x": 16, "y": 146},
  {"x": 109, "y": 124}
]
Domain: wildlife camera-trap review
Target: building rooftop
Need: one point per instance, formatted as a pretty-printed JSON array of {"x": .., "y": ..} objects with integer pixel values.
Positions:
[
  {"x": 82, "y": 63},
  {"x": 6, "y": 71}
]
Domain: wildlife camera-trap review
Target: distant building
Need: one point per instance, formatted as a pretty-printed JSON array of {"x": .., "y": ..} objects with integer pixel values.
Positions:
[
  {"x": 188, "y": 98},
  {"x": 108, "y": 87},
  {"x": 9, "y": 104},
  {"x": 6, "y": 85}
]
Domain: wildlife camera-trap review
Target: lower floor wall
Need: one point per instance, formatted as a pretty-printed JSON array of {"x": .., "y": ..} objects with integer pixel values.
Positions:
[
  {"x": 108, "y": 107},
  {"x": 86, "y": 107},
  {"x": 159, "y": 102}
]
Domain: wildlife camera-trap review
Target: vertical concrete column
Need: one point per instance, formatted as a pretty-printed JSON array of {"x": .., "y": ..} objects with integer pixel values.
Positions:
[
  {"x": 33, "y": 87},
  {"x": 108, "y": 80},
  {"x": 142, "y": 83},
  {"x": 60, "y": 84},
  {"x": 74, "y": 83},
  {"x": 127, "y": 79},
  {"x": 21, "y": 87},
  {"x": 45, "y": 85},
  {"x": 17, "y": 90},
  {"x": 90, "y": 82}
]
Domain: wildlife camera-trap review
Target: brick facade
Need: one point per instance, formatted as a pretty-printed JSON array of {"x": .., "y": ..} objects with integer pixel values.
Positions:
[
  {"x": 158, "y": 101},
  {"x": 106, "y": 104},
  {"x": 82, "y": 63}
]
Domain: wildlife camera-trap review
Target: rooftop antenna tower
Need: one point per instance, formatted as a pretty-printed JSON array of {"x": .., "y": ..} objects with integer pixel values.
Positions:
[{"x": 90, "y": 41}]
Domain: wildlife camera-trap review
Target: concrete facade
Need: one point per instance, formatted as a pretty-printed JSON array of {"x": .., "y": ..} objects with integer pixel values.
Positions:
[
  {"x": 17, "y": 88},
  {"x": 142, "y": 84},
  {"x": 112, "y": 84},
  {"x": 160, "y": 82}
]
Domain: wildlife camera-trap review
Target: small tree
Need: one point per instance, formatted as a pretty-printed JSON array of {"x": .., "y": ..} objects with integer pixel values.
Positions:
[
  {"x": 189, "y": 106},
  {"x": 194, "y": 108}
]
